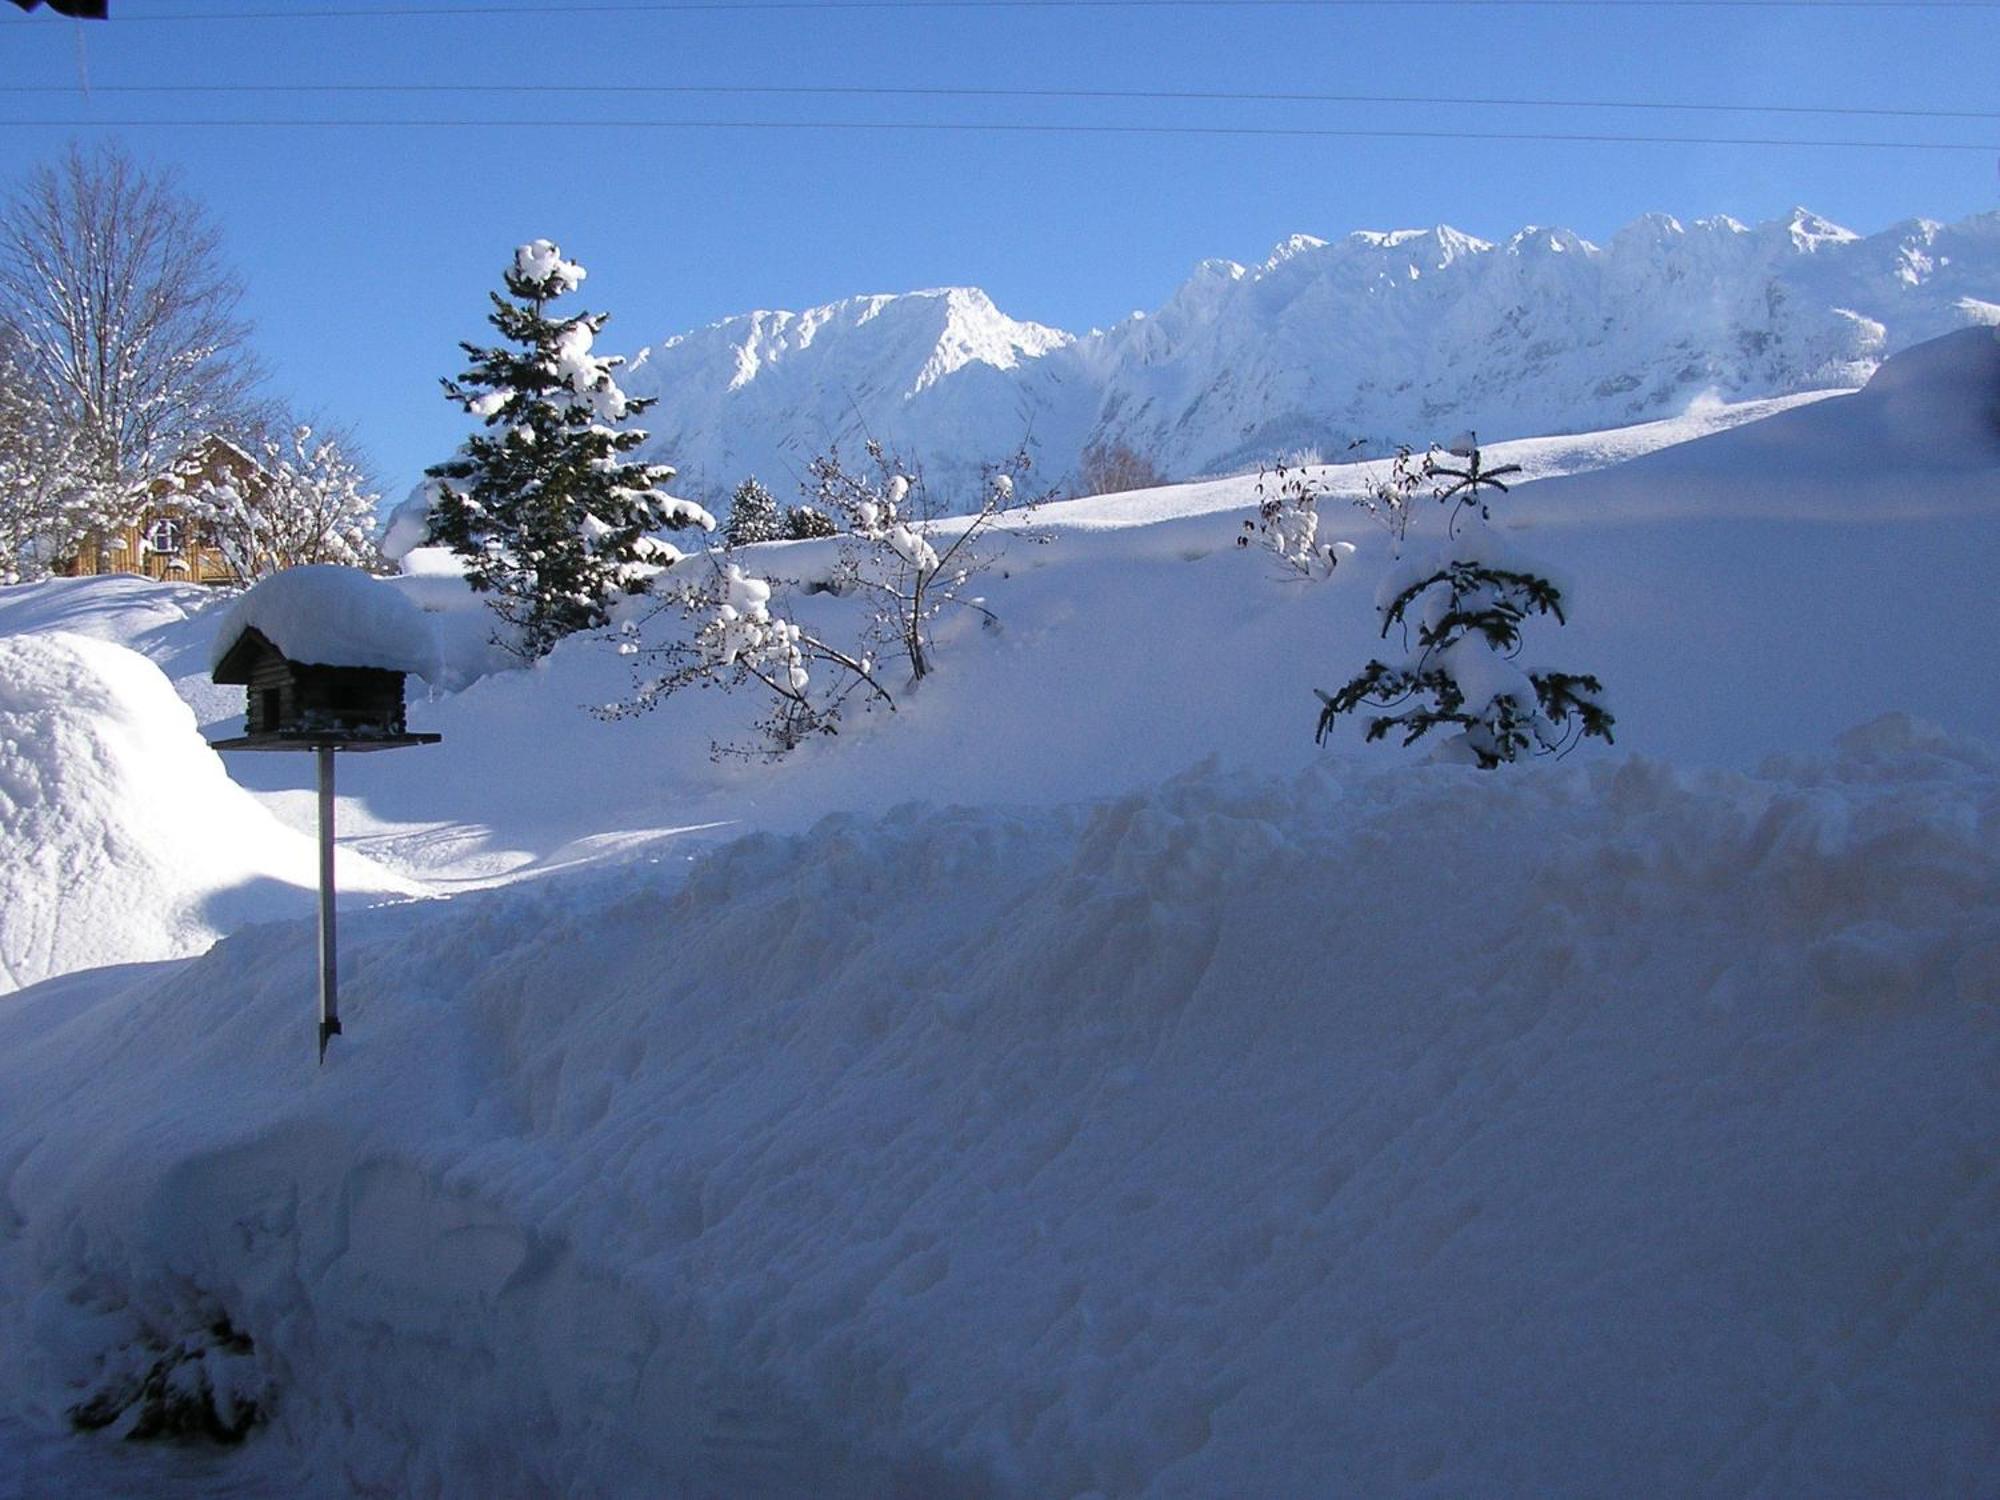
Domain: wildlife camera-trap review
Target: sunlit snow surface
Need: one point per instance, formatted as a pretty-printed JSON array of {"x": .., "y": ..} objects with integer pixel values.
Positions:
[
  {"x": 124, "y": 837},
  {"x": 1586, "y": 1131},
  {"x": 1306, "y": 1122}
]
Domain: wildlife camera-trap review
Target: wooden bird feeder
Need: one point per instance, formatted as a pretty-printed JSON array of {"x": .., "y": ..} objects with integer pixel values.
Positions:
[
  {"x": 310, "y": 705},
  {"x": 321, "y": 653}
]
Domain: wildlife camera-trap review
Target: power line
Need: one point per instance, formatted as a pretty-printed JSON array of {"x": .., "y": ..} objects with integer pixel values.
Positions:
[
  {"x": 1025, "y": 128},
  {"x": 643, "y": 7},
  {"x": 1151, "y": 95}
]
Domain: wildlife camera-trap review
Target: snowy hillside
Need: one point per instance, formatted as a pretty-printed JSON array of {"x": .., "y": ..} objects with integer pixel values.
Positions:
[
  {"x": 1079, "y": 1083},
  {"x": 1383, "y": 337}
]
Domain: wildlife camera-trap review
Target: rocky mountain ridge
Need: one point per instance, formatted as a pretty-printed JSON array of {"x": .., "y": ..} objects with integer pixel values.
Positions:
[{"x": 1357, "y": 343}]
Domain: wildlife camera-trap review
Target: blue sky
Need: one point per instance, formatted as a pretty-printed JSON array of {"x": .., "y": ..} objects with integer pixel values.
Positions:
[{"x": 368, "y": 248}]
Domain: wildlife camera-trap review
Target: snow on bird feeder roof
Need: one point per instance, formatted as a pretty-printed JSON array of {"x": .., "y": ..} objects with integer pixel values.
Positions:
[{"x": 330, "y": 616}]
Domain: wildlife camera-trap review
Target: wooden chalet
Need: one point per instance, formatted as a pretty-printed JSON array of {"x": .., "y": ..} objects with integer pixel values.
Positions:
[{"x": 166, "y": 541}]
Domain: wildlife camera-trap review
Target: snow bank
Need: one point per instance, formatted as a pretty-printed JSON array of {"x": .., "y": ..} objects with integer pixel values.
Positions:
[
  {"x": 121, "y": 837},
  {"x": 1583, "y": 1131},
  {"x": 1920, "y": 440},
  {"x": 332, "y": 617}
]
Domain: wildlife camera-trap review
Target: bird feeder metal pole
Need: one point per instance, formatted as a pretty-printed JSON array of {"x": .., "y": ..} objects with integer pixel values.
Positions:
[{"x": 329, "y": 983}]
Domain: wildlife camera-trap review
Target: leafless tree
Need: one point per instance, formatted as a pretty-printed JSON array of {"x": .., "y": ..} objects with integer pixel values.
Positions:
[
  {"x": 909, "y": 551},
  {"x": 124, "y": 316},
  {"x": 1110, "y": 468},
  {"x": 35, "y": 475},
  {"x": 285, "y": 500}
]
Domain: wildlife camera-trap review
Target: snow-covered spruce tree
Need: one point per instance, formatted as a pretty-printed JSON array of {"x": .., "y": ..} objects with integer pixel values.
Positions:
[
  {"x": 1466, "y": 605},
  {"x": 720, "y": 631},
  {"x": 307, "y": 501},
  {"x": 909, "y": 553},
  {"x": 753, "y": 516},
  {"x": 549, "y": 518}
]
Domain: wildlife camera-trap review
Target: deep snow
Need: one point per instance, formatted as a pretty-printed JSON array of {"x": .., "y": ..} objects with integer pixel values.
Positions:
[
  {"x": 1301, "y": 1123},
  {"x": 1399, "y": 1130},
  {"x": 124, "y": 838}
]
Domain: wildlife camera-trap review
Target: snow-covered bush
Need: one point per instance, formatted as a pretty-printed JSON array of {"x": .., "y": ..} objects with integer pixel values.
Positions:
[
  {"x": 804, "y": 522},
  {"x": 720, "y": 631},
  {"x": 308, "y": 501},
  {"x": 549, "y": 518},
  {"x": 1287, "y": 522},
  {"x": 201, "y": 1385},
  {"x": 1392, "y": 499},
  {"x": 907, "y": 553},
  {"x": 1288, "y": 495},
  {"x": 753, "y": 516},
  {"x": 1467, "y": 603}
]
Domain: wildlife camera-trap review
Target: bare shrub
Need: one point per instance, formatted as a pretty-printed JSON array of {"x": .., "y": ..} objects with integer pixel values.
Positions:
[{"x": 1111, "y": 468}]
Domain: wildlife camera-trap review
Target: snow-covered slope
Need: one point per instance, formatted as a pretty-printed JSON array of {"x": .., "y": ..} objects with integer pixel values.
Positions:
[
  {"x": 1383, "y": 337},
  {"x": 1727, "y": 616},
  {"x": 121, "y": 836}
]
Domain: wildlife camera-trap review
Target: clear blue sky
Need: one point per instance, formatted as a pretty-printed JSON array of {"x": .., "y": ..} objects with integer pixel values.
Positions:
[{"x": 368, "y": 249}]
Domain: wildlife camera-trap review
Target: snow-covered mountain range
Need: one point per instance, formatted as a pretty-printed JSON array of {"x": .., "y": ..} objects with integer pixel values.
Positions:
[{"x": 1379, "y": 337}]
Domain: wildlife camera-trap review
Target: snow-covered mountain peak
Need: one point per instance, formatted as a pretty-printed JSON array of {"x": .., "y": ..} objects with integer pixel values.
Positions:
[
  {"x": 1380, "y": 335},
  {"x": 1290, "y": 248},
  {"x": 1535, "y": 240},
  {"x": 1809, "y": 231},
  {"x": 1455, "y": 244},
  {"x": 971, "y": 330}
]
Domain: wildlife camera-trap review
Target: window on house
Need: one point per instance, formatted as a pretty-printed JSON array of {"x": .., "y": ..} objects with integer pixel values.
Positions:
[{"x": 166, "y": 535}]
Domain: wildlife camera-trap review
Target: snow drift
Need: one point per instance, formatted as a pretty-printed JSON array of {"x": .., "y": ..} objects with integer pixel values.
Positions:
[
  {"x": 1573, "y": 1132},
  {"x": 121, "y": 836}
]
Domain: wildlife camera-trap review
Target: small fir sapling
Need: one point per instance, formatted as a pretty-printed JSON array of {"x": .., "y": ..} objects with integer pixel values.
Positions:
[
  {"x": 551, "y": 520},
  {"x": 1467, "y": 604},
  {"x": 753, "y": 516},
  {"x": 907, "y": 553}
]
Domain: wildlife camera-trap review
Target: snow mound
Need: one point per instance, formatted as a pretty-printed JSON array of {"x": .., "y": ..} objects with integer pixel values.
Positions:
[
  {"x": 121, "y": 837},
  {"x": 1252, "y": 1135},
  {"x": 1921, "y": 439},
  {"x": 330, "y": 616}
]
